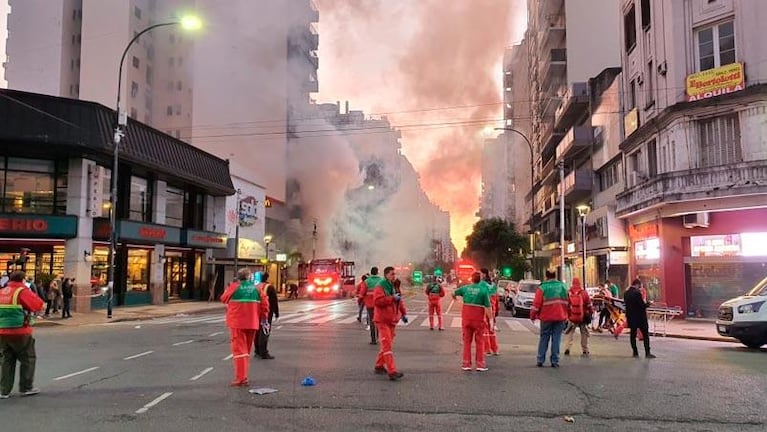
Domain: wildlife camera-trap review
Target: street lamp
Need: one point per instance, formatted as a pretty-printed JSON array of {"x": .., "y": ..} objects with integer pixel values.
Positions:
[
  {"x": 267, "y": 242},
  {"x": 532, "y": 195},
  {"x": 188, "y": 23},
  {"x": 583, "y": 210}
]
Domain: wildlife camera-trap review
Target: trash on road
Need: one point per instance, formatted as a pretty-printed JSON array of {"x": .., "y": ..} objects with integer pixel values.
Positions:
[
  {"x": 308, "y": 382},
  {"x": 570, "y": 419},
  {"x": 262, "y": 391},
  {"x": 137, "y": 327}
]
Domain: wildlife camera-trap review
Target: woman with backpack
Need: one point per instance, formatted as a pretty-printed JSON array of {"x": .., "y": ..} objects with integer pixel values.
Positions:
[{"x": 579, "y": 313}]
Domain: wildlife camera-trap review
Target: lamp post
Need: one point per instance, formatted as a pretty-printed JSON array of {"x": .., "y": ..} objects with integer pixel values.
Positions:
[
  {"x": 532, "y": 195},
  {"x": 583, "y": 210},
  {"x": 189, "y": 23},
  {"x": 267, "y": 242},
  {"x": 237, "y": 232}
]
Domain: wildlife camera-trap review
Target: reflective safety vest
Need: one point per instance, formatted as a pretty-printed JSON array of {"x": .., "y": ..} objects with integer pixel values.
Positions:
[
  {"x": 11, "y": 312},
  {"x": 247, "y": 292}
]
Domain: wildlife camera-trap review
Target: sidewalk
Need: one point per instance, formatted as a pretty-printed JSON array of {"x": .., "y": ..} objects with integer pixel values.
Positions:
[{"x": 691, "y": 329}]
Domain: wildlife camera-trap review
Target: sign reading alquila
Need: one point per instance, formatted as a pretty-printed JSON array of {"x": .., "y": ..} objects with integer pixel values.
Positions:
[{"x": 715, "y": 82}]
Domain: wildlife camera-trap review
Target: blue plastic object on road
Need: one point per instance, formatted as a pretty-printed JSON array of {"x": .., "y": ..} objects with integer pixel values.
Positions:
[{"x": 308, "y": 382}]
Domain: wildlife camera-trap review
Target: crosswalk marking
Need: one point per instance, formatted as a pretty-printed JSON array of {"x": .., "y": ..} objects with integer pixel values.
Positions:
[
  {"x": 456, "y": 322},
  {"x": 324, "y": 319},
  {"x": 410, "y": 319},
  {"x": 349, "y": 320},
  {"x": 516, "y": 325}
]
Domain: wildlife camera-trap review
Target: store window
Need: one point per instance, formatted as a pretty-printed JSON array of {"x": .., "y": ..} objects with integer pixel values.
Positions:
[
  {"x": 138, "y": 270},
  {"x": 28, "y": 186},
  {"x": 140, "y": 200},
  {"x": 174, "y": 207},
  {"x": 716, "y": 45}
]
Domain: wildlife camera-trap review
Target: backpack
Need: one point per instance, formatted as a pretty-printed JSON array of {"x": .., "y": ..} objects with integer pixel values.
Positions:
[{"x": 577, "y": 308}]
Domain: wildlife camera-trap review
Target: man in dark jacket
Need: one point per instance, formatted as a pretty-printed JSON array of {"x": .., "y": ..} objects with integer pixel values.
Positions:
[
  {"x": 636, "y": 315},
  {"x": 67, "y": 292},
  {"x": 262, "y": 336}
]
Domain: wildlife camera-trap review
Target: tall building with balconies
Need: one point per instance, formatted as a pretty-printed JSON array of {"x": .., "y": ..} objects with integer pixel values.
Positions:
[
  {"x": 695, "y": 90},
  {"x": 568, "y": 43}
]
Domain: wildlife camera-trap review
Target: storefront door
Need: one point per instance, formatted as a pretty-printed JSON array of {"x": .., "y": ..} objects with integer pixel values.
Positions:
[{"x": 175, "y": 275}]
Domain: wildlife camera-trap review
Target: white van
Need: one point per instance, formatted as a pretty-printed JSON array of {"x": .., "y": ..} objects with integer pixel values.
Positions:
[{"x": 745, "y": 318}]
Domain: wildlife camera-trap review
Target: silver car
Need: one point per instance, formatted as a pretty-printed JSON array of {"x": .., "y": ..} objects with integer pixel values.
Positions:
[{"x": 520, "y": 299}]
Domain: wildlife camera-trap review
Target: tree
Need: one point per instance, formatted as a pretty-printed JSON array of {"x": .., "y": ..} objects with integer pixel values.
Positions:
[{"x": 494, "y": 243}]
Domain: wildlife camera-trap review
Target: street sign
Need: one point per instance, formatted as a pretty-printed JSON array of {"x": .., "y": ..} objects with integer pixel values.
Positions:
[{"x": 417, "y": 277}]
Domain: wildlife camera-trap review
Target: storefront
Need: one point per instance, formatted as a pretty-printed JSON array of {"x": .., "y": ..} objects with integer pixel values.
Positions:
[{"x": 35, "y": 243}]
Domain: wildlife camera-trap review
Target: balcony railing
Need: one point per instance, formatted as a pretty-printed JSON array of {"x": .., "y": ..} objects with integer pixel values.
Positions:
[
  {"x": 746, "y": 178},
  {"x": 553, "y": 64},
  {"x": 574, "y": 102},
  {"x": 577, "y": 138},
  {"x": 577, "y": 185}
]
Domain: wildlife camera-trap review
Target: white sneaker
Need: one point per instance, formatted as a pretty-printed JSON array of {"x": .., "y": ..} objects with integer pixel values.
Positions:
[
  {"x": 3, "y": 396},
  {"x": 31, "y": 392},
  {"x": 465, "y": 368},
  {"x": 367, "y": 328},
  {"x": 484, "y": 369}
]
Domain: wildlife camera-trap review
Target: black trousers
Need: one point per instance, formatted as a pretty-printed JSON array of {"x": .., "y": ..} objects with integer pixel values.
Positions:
[
  {"x": 17, "y": 348},
  {"x": 65, "y": 312},
  {"x": 604, "y": 316},
  {"x": 262, "y": 340},
  {"x": 645, "y": 338},
  {"x": 373, "y": 333}
]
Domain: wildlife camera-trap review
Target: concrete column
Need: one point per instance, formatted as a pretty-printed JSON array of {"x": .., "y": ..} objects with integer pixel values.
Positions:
[
  {"x": 160, "y": 201},
  {"x": 75, "y": 264},
  {"x": 157, "y": 275}
]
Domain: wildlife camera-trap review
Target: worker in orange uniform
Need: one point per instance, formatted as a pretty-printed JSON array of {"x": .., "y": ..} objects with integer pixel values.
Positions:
[
  {"x": 435, "y": 292},
  {"x": 475, "y": 312},
  {"x": 246, "y": 311},
  {"x": 389, "y": 307},
  {"x": 491, "y": 340},
  {"x": 370, "y": 284},
  {"x": 361, "y": 292}
]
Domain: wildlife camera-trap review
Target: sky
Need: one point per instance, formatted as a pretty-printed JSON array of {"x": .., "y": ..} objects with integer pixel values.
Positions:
[{"x": 434, "y": 68}]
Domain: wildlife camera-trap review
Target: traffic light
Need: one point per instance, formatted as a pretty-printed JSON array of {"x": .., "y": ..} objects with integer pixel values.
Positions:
[
  {"x": 438, "y": 272},
  {"x": 506, "y": 271}
]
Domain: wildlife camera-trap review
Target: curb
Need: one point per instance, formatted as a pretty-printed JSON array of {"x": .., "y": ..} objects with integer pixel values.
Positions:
[
  {"x": 165, "y": 315},
  {"x": 693, "y": 337}
]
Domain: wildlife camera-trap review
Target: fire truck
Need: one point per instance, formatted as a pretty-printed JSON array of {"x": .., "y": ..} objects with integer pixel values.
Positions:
[
  {"x": 327, "y": 277},
  {"x": 463, "y": 271}
]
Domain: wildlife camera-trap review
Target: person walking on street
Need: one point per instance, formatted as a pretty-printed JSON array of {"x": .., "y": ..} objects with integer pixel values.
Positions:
[
  {"x": 17, "y": 305},
  {"x": 491, "y": 340},
  {"x": 67, "y": 292},
  {"x": 636, "y": 316},
  {"x": 434, "y": 292},
  {"x": 389, "y": 309},
  {"x": 266, "y": 290},
  {"x": 53, "y": 295},
  {"x": 246, "y": 312},
  {"x": 371, "y": 283},
  {"x": 361, "y": 291},
  {"x": 476, "y": 311},
  {"x": 550, "y": 306},
  {"x": 579, "y": 313}
]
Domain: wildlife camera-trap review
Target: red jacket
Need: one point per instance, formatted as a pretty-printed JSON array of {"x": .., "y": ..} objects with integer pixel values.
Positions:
[
  {"x": 245, "y": 314},
  {"x": 362, "y": 291},
  {"x": 550, "y": 302},
  {"x": 576, "y": 288},
  {"x": 28, "y": 300},
  {"x": 387, "y": 311}
]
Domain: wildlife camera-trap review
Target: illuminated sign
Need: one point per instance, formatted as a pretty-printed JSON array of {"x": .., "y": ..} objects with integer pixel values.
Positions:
[
  {"x": 248, "y": 211},
  {"x": 715, "y": 245},
  {"x": 715, "y": 82},
  {"x": 647, "y": 249},
  {"x": 37, "y": 226},
  {"x": 281, "y": 257},
  {"x": 619, "y": 258},
  {"x": 753, "y": 244},
  {"x": 204, "y": 239},
  {"x": 148, "y": 233}
]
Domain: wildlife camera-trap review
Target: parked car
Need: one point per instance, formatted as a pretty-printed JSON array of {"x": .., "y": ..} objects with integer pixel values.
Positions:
[
  {"x": 520, "y": 299},
  {"x": 745, "y": 318},
  {"x": 505, "y": 286}
]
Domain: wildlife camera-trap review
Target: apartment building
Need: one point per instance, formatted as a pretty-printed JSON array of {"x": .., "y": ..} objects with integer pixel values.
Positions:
[
  {"x": 498, "y": 186},
  {"x": 694, "y": 80},
  {"x": 568, "y": 43}
]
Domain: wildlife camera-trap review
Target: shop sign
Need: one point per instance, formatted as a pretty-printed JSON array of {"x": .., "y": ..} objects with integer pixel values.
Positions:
[
  {"x": 281, "y": 257},
  {"x": 715, "y": 82},
  {"x": 248, "y": 211},
  {"x": 619, "y": 258},
  {"x": 204, "y": 239},
  {"x": 646, "y": 250},
  {"x": 149, "y": 233},
  {"x": 753, "y": 244},
  {"x": 715, "y": 245},
  {"x": 249, "y": 249},
  {"x": 643, "y": 231},
  {"x": 38, "y": 226},
  {"x": 101, "y": 229},
  {"x": 95, "y": 190}
]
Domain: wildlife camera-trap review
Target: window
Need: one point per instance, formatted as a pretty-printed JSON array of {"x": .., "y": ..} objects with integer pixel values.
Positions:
[
  {"x": 74, "y": 39},
  {"x": 137, "y": 271},
  {"x": 74, "y": 14},
  {"x": 632, "y": 96},
  {"x": 77, "y": 89},
  {"x": 178, "y": 110},
  {"x": 174, "y": 207},
  {"x": 169, "y": 110},
  {"x": 72, "y": 64},
  {"x": 79, "y": 38},
  {"x": 140, "y": 200},
  {"x": 650, "y": 91},
  {"x": 77, "y": 62},
  {"x": 652, "y": 159},
  {"x": 179, "y": 85},
  {"x": 149, "y": 75},
  {"x": 133, "y": 89},
  {"x": 720, "y": 141},
  {"x": 646, "y": 15},
  {"x": 629, "y": 24},
  {"x": 133, "y": 113},
  {"x": 136, "y": 62},
  {"x": 171, "y": 62},
  {"x": 28, "y": 186},
  {"x": 137, "y": 12},
  {"x": 610, "y": 175},
  {"x": 716, "y": 46}
]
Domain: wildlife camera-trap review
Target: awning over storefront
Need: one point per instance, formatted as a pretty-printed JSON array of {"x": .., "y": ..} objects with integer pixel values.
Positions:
[{"x": 37, "y": 226}]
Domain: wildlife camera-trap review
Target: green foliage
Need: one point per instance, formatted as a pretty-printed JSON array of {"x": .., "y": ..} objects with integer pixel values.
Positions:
[{"x": 495, "y": 243}]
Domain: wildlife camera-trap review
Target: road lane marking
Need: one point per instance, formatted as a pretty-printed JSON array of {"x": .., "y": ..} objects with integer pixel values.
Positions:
[
  {"x": 229, "y": 357},
  {"x": 146, "y": 407},
  {"x": 76, "y": 373},
  {"x": 456, "y": 322},
  {"x": 279, "y": 327},
  {"x": 452, "y": 302},
  {"x": 298, "y": 319},
  {"x": 138, "y": 355},
  {"x": 184, "y": 342},
  {"x": 201, "y": 374},
  {"x": 215, "y": 334},
  {"x": 325, "y": 319}
]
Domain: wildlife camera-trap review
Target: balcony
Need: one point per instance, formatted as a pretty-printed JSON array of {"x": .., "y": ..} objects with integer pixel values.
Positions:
[
  {"x": 549, "y": 8},
  {"x": 577, "y": 138},
  {"x": 552, "y": 31},
  {"x": 555, "y": 64},
  {"x": 550, "y": 137},
  {"x": 577, "y": 185},
  {"x": 574, "y": 104},
  {"x": 550, "y": 104},
  {"x": 724, "y": 182}
]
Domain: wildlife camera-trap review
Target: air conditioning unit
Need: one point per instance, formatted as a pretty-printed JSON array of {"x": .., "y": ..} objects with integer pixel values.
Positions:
[
  {"x": 663, "y": 68},
  {"x": 695, "y": 220}
]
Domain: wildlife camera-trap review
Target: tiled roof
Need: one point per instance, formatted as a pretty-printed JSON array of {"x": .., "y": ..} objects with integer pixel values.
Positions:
[{"x": 40, "y": 119}]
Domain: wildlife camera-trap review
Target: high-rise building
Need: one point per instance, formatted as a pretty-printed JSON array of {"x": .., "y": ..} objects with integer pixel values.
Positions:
[{"x": 695, "y": 153}]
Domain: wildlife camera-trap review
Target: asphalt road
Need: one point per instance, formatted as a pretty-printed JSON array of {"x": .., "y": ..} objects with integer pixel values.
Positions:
[{"x": 107, "y": 377}]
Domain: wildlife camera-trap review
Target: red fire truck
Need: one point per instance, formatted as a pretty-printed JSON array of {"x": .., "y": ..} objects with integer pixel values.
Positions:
[
  {"x": 327, "y": 277},
  {"x": 463, "y": 271}
]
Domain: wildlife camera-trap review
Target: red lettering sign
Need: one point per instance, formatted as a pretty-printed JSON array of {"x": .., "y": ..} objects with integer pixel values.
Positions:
[
  {"x": 23, "y": 225},
  {"x": 207, "y": 239},
  {"x": 643, "y": 231},
  {"x": 152, "y": 233}
]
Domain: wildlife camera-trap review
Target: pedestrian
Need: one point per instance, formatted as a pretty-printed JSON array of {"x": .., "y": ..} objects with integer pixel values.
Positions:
[
  {"x": 389, "y": 309},
  {"x": 604, "y": 312},
  {"x": 262, "y": 336},
  {"x": 17, "y": 305},
  {"x": 67, "y": 288},
  {"x": 39, "y": 290},
  {"x": 579, "y": 313},
  {"x": 52, "y": 295},
  {"x": 361, "y": 291},
  {"x": 371, "y": 283},
  {"x": 636, "y": 317},
  {"x": 434, "y": 292},
  {"x": 476, "y": 311},
  {"x": 246, "y": 312},
  {"x": 550, "y": 306},
  {"x": 491, "y": 340}
]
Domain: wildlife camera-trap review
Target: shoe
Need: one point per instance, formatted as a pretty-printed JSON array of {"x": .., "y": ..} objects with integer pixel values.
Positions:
[
  {"x": 482, "y": 369},
  {"x": 394, "y": 376},
  {"x": 585, "y": 354},
  {"x": 431, "y": 328},
  {"x": 379, "y": 370},
  {"x": 635, "y": 355},
  {"x": 374, "y": 343},
  {"x": 31, "y": 392},
  {"x": 359, "y": 320},
  {"x": 367, "y": 328},
  {"x": 555, "y": 365},
  {"x": 496, "y": 354},
  {"x": 567, "y": 352},
  {"x": 441, "y": 329},
  {"x": 267, "y": 357},
  {"x": 539, "y": 364},
  {"x": 239, "y": 383},
  {"x": 466, "y": 368},
  {"x": 650, "y": 356},
  {"x": 4, "y": 396}
]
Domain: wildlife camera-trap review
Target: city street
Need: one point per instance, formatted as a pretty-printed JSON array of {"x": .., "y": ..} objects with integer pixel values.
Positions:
[{"x": 173, "y": 374}]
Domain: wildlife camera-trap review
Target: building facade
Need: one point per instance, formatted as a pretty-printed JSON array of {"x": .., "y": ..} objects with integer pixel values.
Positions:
[
  {"x": 695, "y": 84},
  {"x": 57, "y": 161}
]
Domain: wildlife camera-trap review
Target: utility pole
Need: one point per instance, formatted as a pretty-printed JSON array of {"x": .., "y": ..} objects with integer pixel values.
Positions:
[
  {"x": 562, "y": 219},
  {"x": 314, "y": 238},
  {"x": 237, "y": 232}
]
